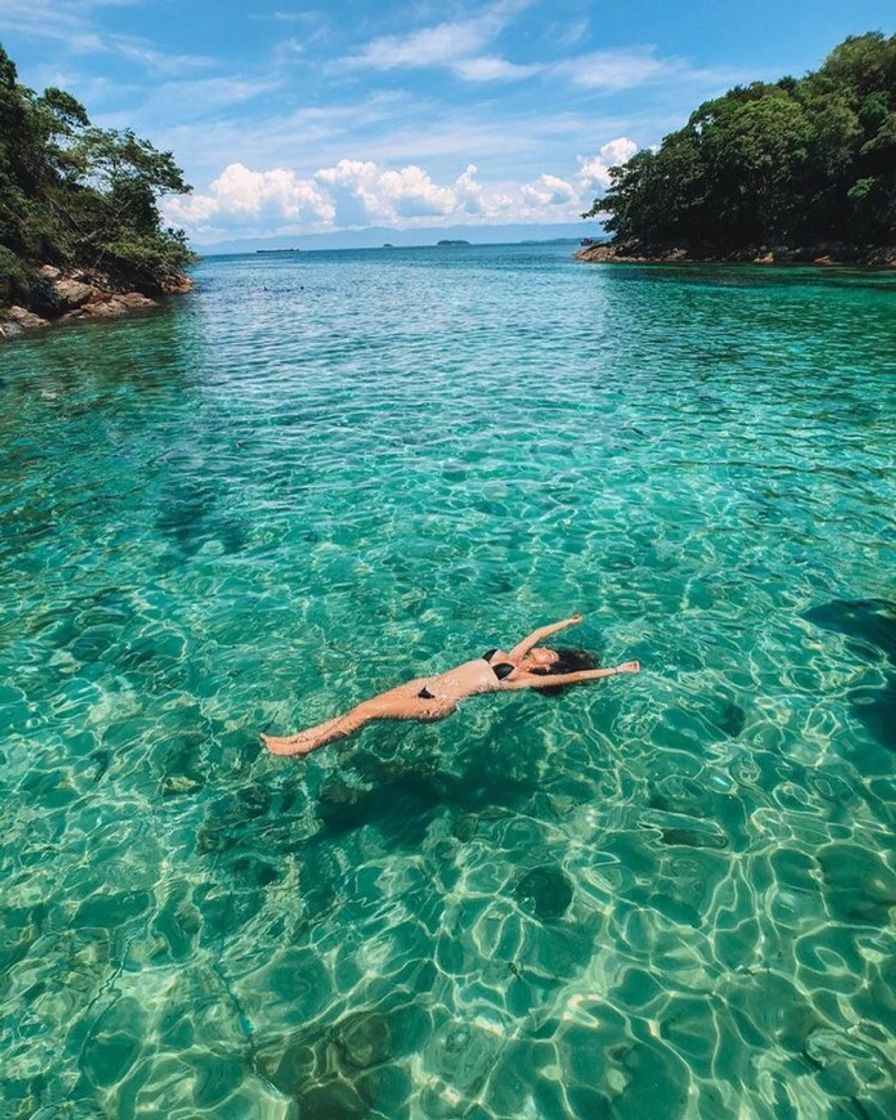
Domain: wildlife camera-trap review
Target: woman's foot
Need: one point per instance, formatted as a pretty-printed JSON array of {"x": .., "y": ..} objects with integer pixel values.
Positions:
[{"x": 289, "y": 744}]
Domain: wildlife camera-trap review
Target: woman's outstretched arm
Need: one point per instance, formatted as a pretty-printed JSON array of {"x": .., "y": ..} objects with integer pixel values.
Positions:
[
  {"x": 552, "y": 680},
  {"x": 539, "y": 635}
]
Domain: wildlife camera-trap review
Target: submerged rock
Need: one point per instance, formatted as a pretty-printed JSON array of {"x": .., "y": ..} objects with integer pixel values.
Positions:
[
  {"x": 859, "y": 888},
  {"x": 545, "y": 892},
  {"x": 731, "y": 719},
  {"x": 294, "y": 1069},
  {"x": 364, "y": 1040},
  {"x": 332, "y": 1100},
  {"x": 871, "y": 621},
  {"x": 870, "y": 624},
  {"x": 460, "y": 1054},
  {"x": 876, "y": 708}
]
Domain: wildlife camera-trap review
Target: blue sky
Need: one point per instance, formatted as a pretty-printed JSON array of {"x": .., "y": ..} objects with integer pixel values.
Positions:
[{"x": 299, "y": 118}]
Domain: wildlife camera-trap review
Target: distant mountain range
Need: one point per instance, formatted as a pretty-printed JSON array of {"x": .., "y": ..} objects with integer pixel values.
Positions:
[{"x": 374, "y": 237}]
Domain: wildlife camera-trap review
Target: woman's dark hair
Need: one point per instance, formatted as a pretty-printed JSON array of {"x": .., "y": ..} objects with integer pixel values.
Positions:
[{"x": 568, "y": 661}]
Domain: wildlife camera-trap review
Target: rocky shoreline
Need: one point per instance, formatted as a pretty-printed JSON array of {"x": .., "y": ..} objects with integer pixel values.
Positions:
[
  {"x": 633, "y": 252},
  {"x": 56, "y": 296}
]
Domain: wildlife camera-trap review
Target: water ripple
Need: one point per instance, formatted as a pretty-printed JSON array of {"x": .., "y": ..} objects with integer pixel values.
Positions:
[{"x": 668, "y": 896}]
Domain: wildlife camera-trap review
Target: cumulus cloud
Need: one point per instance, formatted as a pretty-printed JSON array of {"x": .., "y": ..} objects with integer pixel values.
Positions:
[
  {"x": 548, "y": 190},
  {"x": 363, "y": 193},
  {"x": 240, "y": 196},
  {"x": 596, "y": 169},
  {"x": 411, "y": 193},
  {"x": 350, "y": 193},
  {"x": 470, "y": 192},
  {"x": 351, "y": 187},
  {"x": 354, "y": 193}
]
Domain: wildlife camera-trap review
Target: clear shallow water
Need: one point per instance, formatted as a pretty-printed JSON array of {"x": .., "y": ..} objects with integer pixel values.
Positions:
[{"x": 665, "y": 896}]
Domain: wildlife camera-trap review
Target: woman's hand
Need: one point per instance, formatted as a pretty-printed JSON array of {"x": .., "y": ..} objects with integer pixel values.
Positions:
[
  {"x": 539, "y": 635},
  {"x": 629, "y": 667}
]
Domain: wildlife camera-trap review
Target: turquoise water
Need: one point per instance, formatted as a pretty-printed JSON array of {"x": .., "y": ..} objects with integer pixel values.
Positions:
[{"x": 664, "y": 896}]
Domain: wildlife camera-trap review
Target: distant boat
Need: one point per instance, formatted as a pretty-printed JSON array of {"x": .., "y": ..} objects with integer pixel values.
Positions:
[
  {"x": 452, "y": 243},
  {"x": 388, "y": 245},
  {"x": 271, "y": 252}
]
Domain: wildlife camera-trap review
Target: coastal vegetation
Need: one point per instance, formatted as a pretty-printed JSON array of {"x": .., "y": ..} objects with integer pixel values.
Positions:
[
  {"x": 79, "y": 206},
  {"x": 798, "y": 164}
]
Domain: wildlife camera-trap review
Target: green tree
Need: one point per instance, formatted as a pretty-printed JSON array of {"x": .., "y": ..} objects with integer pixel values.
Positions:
[
  {"x": 75, "y": 195},
  {"x": 795, "y": 160}
]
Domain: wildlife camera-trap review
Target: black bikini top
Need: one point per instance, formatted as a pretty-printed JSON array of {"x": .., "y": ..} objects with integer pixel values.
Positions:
[{"x": 502, "y": 669}]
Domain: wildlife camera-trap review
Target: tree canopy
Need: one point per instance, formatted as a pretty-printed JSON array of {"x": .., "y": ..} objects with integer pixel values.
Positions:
[
  {"x": 74, "y": 195},
  {"x": 796, "y": 161}
]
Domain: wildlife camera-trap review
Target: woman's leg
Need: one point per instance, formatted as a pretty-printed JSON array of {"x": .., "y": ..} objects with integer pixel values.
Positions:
[
  {"x": 399, "y": 703},
  {"x": 304, "y": 742}
]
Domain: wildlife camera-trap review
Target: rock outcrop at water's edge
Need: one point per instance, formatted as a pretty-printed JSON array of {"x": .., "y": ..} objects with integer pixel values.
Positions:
[
  {"x": 635, "y": 252},
  {"x": 55, "y": 296}
]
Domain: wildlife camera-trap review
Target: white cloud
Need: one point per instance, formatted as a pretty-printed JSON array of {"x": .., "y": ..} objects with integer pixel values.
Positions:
[
  {"x": 140, "y": 51},
  {"x": 288, "y": 50},
  {"x": 569, "y": 34},
  {"x": 548, "y": 190},
  {"x": 615, "y": 70},
  {"x": 489, "y": 68},
  {"x": 456, "y": 45},
  {"x": 459, "y": 46},
  {"x": 619, "y": 150},
  {"x": 72, "y": 24},
  {"x": 596, "y": 169},
  {"x": 243, "y": 197},
  {"x": 470, "y": 192},
  {"x": 351, "y": 187},
  {"x": 411, "y": 193},
  {"x": 355, "y": 193},
  {"x": 363, "y": 193},
  {"x": 202, "y": 95},
  {"x": 349, "y": 194},
  {"x": 430, "y": 46}
]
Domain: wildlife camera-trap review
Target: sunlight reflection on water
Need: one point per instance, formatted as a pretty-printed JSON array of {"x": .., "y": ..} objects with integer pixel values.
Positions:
[{"x": 667, "y": 896}]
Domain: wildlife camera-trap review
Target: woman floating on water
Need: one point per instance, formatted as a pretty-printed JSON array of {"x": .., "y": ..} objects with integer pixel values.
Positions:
[{"x": 430, "y": 698}]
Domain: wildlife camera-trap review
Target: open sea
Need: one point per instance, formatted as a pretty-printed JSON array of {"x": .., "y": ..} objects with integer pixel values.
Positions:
[{"x": 665, "y": 896}]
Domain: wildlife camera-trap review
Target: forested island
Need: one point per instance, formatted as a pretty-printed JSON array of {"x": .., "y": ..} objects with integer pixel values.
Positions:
[
  {"x": 798, "y": 169},
  {"x": 81, "y": 235}
]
